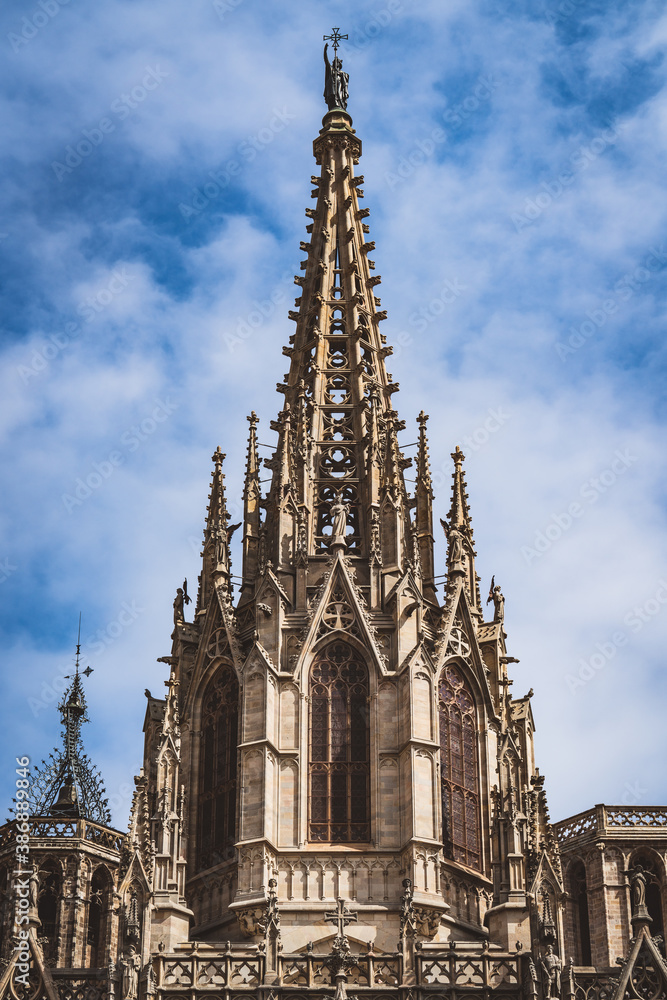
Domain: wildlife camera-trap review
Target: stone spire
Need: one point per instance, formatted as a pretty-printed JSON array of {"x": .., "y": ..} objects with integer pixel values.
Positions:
[
  {"x": 424, "y": 511},
  {"x": 461, "y": 547},
  {"x": 67, "y": 784},
  {"x": 217, "y": 568},
  {"x": 337, "y": 429},
  {"x": 252, "y": 496}
]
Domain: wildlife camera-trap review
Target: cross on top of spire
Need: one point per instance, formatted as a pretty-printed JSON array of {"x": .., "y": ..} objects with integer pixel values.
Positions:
[{"x": 334, "y": 38}]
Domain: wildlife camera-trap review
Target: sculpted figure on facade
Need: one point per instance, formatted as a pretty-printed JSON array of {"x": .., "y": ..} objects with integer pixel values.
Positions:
[
  {"x": 130, "y": 965},
  {"x": 551, "y": 966},
  {"x": 339, "y": 513}
]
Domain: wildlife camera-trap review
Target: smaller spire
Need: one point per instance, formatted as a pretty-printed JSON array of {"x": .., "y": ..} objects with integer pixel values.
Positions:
[
  {"x": 423, "y": 464},
  {"x": 252, "y": 457},
  {"x": 391, "y": 474},
  {"x": 424, "y": 511},
  {"x": 458, "y": 529},
  {"x": 217, "y": 533},
  {"x": 68, "y": 785},
  {"x": 252, "y": 497}
]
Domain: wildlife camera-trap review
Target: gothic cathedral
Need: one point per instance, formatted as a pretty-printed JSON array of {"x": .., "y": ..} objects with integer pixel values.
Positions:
[{"x": 339, "y": 793}]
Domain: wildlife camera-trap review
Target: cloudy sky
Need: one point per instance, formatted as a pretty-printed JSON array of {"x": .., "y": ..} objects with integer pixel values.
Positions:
[{"x": 157, "y": 161}]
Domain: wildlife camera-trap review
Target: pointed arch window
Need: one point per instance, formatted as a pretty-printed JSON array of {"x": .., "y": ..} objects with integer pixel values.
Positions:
[
  {"x": 48, "y": 906},
  {"x": 653, "y": 870},
  {"x": 339, "y": 807},
  {"x": 98, "y": 907},
  {"x": 459, "y": 769},
  {"x": 579, "y": 896},
  {"x": 217, "y": 788}
]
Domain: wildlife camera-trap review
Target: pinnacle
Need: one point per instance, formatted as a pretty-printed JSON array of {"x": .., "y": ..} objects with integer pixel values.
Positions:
[{"x": 69, "y": 784}]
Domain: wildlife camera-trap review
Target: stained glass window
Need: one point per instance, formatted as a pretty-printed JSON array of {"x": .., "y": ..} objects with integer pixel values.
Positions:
[
  {"x": 339, "y": 759},
  {"x": 458, "y": 761},
  {"x": 217, "y": 793}
]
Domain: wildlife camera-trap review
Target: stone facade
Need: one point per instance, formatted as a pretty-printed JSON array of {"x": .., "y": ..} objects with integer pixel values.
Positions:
[{"x": 339, "y": 790}]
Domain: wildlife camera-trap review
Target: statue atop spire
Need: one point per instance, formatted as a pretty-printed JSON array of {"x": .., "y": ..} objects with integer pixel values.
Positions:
[{"x": 335, "y": 79}]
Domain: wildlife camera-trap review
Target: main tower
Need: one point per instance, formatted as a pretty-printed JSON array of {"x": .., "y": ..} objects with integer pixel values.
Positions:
[
  {"x": 344, "y": 732},
  {"x": 338, "y": 787}
]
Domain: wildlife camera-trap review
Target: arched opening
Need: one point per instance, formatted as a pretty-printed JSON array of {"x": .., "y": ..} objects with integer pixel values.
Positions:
[
  {"x": 581, "y": 923},
  {"x": 47, "y": 908},
  {"x": 217, "y": 782},
  {"x": 653, "y": 869},
  {"x": 459, "y": 769},
  {"x": 339, "y": 747},
  {"x": 98, "y": 908}
]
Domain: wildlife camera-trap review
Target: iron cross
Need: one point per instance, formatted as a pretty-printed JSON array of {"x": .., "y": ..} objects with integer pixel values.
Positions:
[
  {"x": 340, "y": 916},
  {"x": 334, "y": 39}
]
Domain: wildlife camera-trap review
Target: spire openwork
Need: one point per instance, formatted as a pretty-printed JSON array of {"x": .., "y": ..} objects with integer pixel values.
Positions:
[
  {"x": 338, "y": 470},
  {"x": 68, "y": 784}
]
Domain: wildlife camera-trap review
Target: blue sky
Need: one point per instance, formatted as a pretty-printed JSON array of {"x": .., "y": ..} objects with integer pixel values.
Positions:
[{"x": 157, "y": 162}]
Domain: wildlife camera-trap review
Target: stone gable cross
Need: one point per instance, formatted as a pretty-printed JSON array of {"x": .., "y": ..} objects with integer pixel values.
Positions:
[{"x": 340, "y": 917}]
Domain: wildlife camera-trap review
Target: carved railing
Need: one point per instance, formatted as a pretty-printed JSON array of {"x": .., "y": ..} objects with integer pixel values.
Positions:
[
  {"x": 48, "y": 829},
  {"x": 604, "y": 819},
  {"x": 447, "y": 971},
  {"x": 487, "y": 970},
  {"x": 593, "y": 986},
  {"x": 369, "y": 970},
  {"x": 236, "y": 971},
  {"x": 208, "y": 972},
  {"x": 80, "y": 984}
]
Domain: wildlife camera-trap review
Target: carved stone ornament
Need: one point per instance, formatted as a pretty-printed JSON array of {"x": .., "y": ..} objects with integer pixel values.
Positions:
[
  {"x": 252, "y": 921},
  {"x": 427, "y": 921}
]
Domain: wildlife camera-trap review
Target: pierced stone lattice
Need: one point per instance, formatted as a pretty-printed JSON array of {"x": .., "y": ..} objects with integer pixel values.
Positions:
[
  {"x": 646, "y": 982},
  {"x": 458, "y": 644}
]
